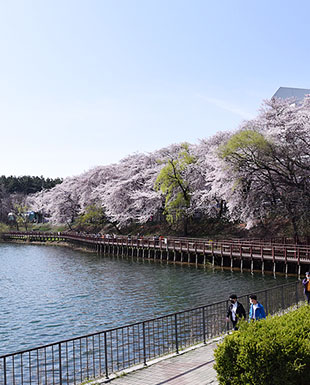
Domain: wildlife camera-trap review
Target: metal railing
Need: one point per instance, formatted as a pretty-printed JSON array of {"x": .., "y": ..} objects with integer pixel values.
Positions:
[{"x": 101, "y": 354}]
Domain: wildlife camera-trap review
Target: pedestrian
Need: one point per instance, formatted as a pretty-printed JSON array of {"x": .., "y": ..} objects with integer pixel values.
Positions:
[
  {"x": 257, "y": 310},
  {"x": 306, "y": 284},
  {"x": 235, "y": 311}
]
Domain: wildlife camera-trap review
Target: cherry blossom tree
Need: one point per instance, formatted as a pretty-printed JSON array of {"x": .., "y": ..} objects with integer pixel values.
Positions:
[
  {"x": 210, "y": 168},
  {"x": 268, "y": 161},
  {"x": 129, "y": 195},
  {"x": 60, "y": 204}
]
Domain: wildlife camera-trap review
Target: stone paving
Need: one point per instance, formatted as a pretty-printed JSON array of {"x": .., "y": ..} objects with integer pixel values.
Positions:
[{"x": 194, "y": 367}]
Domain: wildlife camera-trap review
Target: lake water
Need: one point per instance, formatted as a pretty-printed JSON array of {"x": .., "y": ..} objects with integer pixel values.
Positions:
[{"x": 51, "y": 293}]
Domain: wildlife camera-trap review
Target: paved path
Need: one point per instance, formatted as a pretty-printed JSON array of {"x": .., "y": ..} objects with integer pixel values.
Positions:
[{"x": 194, "y": 367}]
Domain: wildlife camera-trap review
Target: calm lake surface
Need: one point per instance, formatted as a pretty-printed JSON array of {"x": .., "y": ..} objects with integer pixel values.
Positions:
[{"x": 51, "y": 293}]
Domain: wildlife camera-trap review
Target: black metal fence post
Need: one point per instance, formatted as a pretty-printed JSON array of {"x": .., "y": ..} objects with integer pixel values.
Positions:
[
  {"x": 176, "y": 333},
  {"x": 204, "y": 325},
  {"x": 144, "y": 344},
  {"x": 296, "y": 294},
  {"x": 4, "y": 370},
  {"x": 60, "y": 366},
  {"x": 106, "y": 355},
  {"x": 227, "y": 323},
  {"x": 282, "y": 298}
]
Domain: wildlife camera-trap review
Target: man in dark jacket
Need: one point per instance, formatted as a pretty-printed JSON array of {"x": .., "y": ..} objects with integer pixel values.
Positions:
[{"x": 235, "y": 311}]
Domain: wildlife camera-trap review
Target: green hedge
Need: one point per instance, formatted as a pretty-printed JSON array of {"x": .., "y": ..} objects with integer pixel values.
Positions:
[{"x": 275, "y": 351}]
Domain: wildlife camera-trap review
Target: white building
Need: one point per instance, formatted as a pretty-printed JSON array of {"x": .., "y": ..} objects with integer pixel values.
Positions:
[{"x": 288, "y": 92}]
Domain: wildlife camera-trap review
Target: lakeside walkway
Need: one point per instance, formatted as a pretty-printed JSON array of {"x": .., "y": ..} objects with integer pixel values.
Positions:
[
  {"x": 194, "y": 367},
  {"x": 250, "y": 254}
]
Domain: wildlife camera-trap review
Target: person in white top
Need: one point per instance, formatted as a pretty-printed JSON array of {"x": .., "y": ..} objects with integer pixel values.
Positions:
[{"x": 235, "y": 311}]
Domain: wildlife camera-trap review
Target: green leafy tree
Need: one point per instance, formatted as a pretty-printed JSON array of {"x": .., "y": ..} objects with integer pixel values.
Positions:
[
  {"x": 244, "y": 147},
  {"x": 174, "y": 182},
  {"x": 92, "y": 219},
  {"x": 27, "y": 184},
  {"x": 270, "y": 178},
  {"x": 5, "y": 204},
  {"x": 21, "y": 216}
]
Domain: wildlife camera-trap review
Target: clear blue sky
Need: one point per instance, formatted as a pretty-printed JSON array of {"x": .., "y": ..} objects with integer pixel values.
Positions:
[{"x": 85, "y": 83}]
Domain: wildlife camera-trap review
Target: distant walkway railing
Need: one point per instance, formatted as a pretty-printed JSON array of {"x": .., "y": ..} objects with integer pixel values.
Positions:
[
  {"x": 101, "y": 354},
  {"x": 236, "y": 253}
]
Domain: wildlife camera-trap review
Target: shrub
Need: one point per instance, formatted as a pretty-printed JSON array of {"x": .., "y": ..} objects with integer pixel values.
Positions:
[
  {"x": 274, "y": 351},
  {"x": 4, "y": 227}
]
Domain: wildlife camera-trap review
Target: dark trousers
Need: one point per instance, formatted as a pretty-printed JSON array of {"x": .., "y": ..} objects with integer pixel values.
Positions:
[
  {"x": 308, "y": 296},
  {"x": 235, "y": 323}
]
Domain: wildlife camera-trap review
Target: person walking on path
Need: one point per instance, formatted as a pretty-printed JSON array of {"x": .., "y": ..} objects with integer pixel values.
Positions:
[
  {"x": 257, "y": 310},
  {"x": 306, "y": 284},
  {"x": 235, "y": 311}
]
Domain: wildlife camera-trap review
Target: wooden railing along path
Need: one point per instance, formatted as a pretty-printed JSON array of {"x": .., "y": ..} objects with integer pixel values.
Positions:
[{"x": 251, "y": 254}]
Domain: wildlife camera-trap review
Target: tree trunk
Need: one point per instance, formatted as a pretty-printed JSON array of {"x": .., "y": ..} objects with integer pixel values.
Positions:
[
  {"x": 115, "y": 226},
  {"x": 69, "y": 225},
  {"x": 295, "y": 229}
]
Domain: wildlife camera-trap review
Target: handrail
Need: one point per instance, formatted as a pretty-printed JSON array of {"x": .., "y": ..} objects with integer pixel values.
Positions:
[
  {"x": 272, "y": 241},
  {"x": 171, "y": 244}
]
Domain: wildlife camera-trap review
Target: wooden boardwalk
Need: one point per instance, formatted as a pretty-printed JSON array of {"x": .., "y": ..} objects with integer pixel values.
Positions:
[{"x": 240, "y": 254}]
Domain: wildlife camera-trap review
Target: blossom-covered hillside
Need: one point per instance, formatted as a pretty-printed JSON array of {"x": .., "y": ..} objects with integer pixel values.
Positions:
[{"x": 259, "y": 171}]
